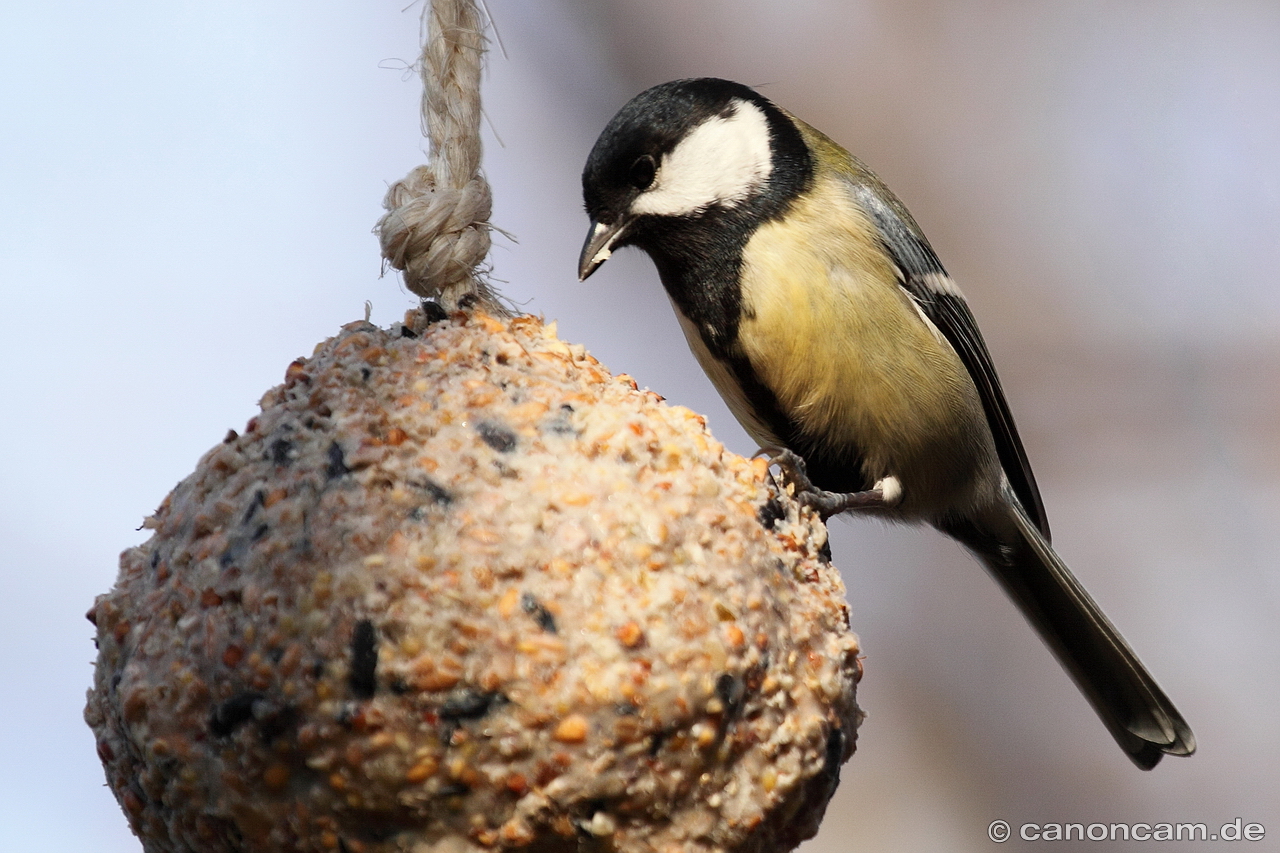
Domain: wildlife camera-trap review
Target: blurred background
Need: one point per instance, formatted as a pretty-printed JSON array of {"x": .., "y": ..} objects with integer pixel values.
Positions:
[{"x": 186, "y": 197}]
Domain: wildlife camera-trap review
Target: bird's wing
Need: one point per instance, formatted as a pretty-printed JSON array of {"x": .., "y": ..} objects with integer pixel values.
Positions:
[{"x": 929, "y": 286}]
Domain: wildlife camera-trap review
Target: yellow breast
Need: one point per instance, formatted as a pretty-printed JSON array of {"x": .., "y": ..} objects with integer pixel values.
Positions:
[{"x": 848, "y": 355}]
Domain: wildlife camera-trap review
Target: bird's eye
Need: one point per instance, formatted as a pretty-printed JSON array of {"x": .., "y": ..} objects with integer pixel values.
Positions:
[{"x": 642, "y": 172}]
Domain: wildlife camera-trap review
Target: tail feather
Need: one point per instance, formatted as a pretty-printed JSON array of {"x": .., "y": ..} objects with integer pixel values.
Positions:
[{"x": 1134, "y": 709}]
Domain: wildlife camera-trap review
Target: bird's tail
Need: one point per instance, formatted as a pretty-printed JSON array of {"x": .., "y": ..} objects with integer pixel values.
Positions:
[{"x": 1132, "y": 706}]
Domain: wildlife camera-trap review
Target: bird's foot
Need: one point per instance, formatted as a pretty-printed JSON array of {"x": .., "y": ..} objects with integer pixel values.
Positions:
[{"x": 884, "y": 494}]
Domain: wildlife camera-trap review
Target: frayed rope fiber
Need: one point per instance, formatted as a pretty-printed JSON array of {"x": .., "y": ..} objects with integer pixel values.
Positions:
[{"x": 436, "y": 229}]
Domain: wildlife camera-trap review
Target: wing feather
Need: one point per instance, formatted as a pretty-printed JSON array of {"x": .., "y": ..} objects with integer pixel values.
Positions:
[{"x": 929, "y": 286}]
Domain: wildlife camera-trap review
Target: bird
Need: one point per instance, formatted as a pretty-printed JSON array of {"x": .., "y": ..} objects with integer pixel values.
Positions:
[{"x": 815, "y": 304}]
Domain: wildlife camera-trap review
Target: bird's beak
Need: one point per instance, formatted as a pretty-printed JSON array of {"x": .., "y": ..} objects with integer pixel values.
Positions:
[{"x": 599, "y": 246}]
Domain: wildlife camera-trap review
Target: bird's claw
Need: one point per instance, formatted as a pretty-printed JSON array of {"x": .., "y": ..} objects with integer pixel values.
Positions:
[
  {"x": 824, "y": 503},
  {"x": 792, "y": 466}
]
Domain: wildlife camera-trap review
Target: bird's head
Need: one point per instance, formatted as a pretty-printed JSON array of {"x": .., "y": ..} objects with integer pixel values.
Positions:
[{"x": 684, "y": 152}]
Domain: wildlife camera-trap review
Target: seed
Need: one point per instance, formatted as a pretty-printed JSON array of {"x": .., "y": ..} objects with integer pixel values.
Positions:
[{"x": 572, "y": 729}]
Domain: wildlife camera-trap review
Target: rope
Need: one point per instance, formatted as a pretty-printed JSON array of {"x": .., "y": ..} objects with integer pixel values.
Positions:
[{"x": 436, "y": 229}]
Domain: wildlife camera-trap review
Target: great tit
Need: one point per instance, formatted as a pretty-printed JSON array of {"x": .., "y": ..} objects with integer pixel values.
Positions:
[{"x": 820, "y": 312}]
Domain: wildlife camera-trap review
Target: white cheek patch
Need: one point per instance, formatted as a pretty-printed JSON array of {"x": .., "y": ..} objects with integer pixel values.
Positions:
[{"x": 720, "y": 161}]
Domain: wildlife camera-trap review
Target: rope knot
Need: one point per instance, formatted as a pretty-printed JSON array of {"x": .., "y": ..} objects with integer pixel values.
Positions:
[
  {"x": 436, "y": 228},
  {"x": 436, "y": 235}
]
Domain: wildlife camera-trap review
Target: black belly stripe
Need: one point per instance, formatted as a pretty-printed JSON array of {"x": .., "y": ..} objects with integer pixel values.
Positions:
[
  {"x": 699, "y": 259},
  {"x": 834, "y": 466}
]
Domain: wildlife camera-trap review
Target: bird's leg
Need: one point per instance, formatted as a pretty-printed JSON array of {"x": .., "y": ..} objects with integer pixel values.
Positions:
[{"x": 884, "y": 494}]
